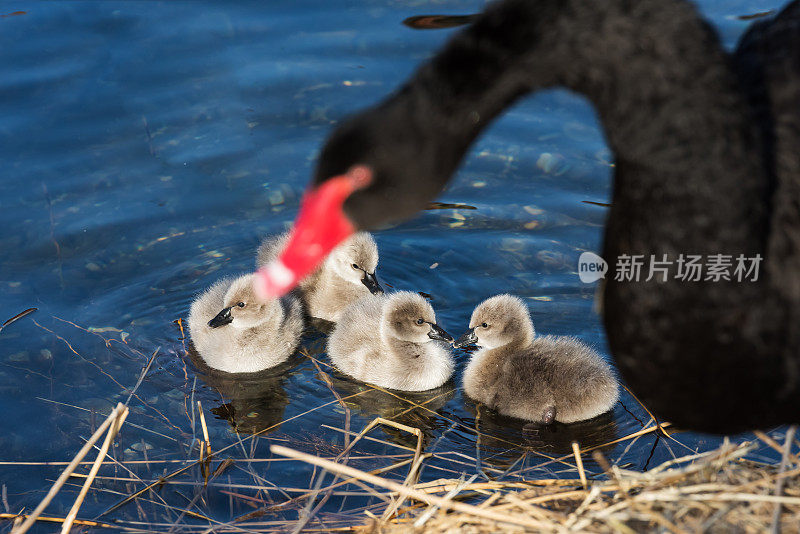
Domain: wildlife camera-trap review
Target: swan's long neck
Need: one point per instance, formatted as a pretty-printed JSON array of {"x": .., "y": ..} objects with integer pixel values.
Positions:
[
  {"x": 689, "y": 179},
  {"x": 660, "y": 82}
]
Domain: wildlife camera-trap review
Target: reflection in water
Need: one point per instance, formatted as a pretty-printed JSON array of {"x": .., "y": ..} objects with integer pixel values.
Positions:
[
  {"x": 18, "y": 316},
  {"x": 500, "y": 434},
  {"x": 256, "y": 401},
  {"x": 758, "y": 15},
  {"x": 558, "y": 437},
  {"x": 320, "y": 325},
  {"x": 436, "y": 22},
  {"x": 448, "y": 206},
  {"x": 412, "y": 408}
]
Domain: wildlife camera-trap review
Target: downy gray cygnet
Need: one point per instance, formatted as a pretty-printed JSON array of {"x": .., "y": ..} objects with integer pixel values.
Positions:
[
  {"x": 344, "y": 277},
  {"x": 541, "y": 379},
  {"x": 392, "y": 341},
  {"x": 234, "y": 332}
]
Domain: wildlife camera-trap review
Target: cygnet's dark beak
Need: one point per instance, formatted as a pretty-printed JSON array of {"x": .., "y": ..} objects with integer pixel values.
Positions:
[
  {"x": 222, "y": 318},
  {"x": 467, "y": 338},
  {"x": 371, "y": 281},
  {"x": 437, "y": 333}
]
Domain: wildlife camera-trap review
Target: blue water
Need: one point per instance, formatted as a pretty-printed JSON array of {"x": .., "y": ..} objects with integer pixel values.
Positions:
[{"x": 147, "y": 147}]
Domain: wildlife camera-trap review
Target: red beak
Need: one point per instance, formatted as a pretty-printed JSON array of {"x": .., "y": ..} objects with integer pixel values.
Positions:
[{"x": 320, "y": 226}]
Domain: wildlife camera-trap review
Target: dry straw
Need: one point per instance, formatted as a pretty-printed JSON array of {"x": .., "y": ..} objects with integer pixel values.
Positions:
[
  {"x": 716, "y": 491},
  {"x": 112, "y": 424}
]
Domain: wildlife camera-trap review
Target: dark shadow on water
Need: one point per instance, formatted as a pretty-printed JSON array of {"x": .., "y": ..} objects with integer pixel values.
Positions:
[
  {"x": 558, "y": 437},
  {"x": 320, "y": 326},
  {"x": 501, "y": 433},
  {"x": 256, "y": 402},
  {"x": 416, "y": 409}
]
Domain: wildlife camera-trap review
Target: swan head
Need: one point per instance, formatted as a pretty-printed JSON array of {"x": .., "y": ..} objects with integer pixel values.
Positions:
[
  {"x": 377, "y": 167},
  {"x": 498, "y": 321},
  {"x": 408, "y": 317},
  {"x": 241, "y": 309},
  {"x": 356, "y": 260},
  {"x": 399, "y": 146}
]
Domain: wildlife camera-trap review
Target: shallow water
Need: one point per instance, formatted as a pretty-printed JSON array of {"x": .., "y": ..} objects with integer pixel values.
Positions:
[{"x": 147, "y": 147}]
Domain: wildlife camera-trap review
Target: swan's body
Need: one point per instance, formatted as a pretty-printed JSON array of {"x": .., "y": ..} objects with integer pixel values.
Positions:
[
  {"x": 541, "y": 379},
  {"x": 706, "y": 162},
  {"x": 244, "y": 338},
  {"x": 347, "y": 275},
  {"x": 392, "y": 341}
]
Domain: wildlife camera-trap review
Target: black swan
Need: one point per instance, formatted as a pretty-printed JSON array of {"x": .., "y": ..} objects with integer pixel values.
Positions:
[{"x": 707, "y": 153}]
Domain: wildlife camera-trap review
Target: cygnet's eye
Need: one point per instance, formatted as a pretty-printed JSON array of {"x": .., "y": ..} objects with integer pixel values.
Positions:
[
  {"x": 240, "y": 304},
  {"x": 355, "y": 266},
  {"x": 484, "y": 325},
  {"x": 420, "y": 320}
]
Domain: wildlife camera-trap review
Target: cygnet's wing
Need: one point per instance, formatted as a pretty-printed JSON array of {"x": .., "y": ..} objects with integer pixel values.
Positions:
[
  {"x": 293, "y": 321},
  {"x": 357, "y": 333},
  {"x": 523, "y": 388},
  {"x": 581, "y": 380}
]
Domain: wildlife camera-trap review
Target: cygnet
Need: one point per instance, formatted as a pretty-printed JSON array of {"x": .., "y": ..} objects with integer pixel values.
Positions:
[
  {"x": 234, "y": 332},
  {"x": 540, "y": 379},
  {"x": 344, "y": 277},
  {"x": 392, "y": 341}
]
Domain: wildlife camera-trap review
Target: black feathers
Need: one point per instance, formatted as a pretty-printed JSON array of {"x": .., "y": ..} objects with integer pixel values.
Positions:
[{"x": 707, "y": 162}]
